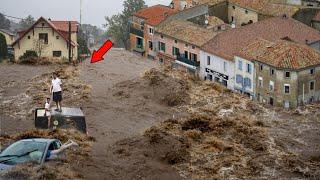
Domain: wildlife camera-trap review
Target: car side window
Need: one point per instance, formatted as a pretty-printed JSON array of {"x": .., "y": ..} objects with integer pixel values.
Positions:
[{"x": 57, "y": 144}]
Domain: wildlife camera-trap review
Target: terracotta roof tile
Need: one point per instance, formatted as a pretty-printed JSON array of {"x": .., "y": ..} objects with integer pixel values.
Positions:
[
  {"x": 215, "y": 21},
  {"x": 266, "y": 7},
  {"x": 281, "y": 54},
  {"x": 154, "y": 15},
  {"x": 64, "y": 25},
  {"x": 228, "y": 43},
  {"x": 211, "y": 2},
  {"x": 60, "y": 31},
  {"x": 187, "y": 31}
]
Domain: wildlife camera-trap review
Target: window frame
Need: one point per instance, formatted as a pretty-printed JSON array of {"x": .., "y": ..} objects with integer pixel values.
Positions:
[
  {"x": 261, "y": 67},
  {"x": 314, "y": 85},
  {"x": 240, "y": 65},
  {"x": 272, "y": 71},
  {"x": 287, "y": 85},
  {"x": 285, "y": 74},
  {"x": 59, "y": 52},
  {"x": 260, "y": 82},
  {"x": 271, "y": 84},
  {"x": 312, "y": 71},
  {"x": 249, "y": 68}
]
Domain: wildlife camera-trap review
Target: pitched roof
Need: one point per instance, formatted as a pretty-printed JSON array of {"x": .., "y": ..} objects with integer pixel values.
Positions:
[
  {"x": 186, "y": 31},
  {"x": 64, "y": 25},
  {"x": 266, "y": 7},
  {"x": 215, "y": 21},
  {"x": 281, "y": 54},
  {"x": 7, "y": 32},
  {"x": 226, "y": 44},
  {"x": 60, "y": 31},
  {"x": 211, "y": 2},
  {"x": 154, "y": 15}
]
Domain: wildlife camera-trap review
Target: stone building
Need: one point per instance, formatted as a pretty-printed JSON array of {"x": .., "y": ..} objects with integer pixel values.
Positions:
[
  {"x": 243, "y": 12},
  {"x": 217, "y": 57},
  {"x": 180, "y": 42},
  {"x": 287, "y": 74},
  {"x": 142, "y": 28}
]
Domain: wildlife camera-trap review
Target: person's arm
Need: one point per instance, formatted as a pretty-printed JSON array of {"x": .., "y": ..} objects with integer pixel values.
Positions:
[
  {"x": 60, "y": 84},
  {"x": 64, "y": 147}
]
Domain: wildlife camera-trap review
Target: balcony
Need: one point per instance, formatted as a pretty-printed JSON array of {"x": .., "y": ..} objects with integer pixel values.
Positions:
[
  {"x": 188, "y": 61},
  {"x": 136, "y": 31}
]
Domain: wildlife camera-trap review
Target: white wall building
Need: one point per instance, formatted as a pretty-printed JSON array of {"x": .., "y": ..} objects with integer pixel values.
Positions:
[
  {"x": 217, "y": 69},
  {"x": 244, "y": 76}
]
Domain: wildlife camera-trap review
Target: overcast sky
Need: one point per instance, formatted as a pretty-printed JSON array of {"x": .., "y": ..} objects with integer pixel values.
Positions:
[{"x": 93, "y": 11}]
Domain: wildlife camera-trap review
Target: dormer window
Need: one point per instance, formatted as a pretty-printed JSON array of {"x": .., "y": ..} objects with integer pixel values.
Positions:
[{"x": 246, "y": 11}]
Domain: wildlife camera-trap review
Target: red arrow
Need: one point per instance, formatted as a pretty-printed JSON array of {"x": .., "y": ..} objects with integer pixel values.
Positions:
[{"x": 98, "y": 55}]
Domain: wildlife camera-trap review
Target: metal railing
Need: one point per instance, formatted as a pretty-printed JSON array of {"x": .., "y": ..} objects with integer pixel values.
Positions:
[
  {"x": 188, "y": 61},
  {"x": 136, "y": 31}
]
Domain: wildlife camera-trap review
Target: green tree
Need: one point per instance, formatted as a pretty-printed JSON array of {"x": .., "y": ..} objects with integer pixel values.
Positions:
[
  {"x": 4, "y": 22},
  {"x": 3, "y": 47},
  {"x": 118, "y": 25},
  {"x": 26, "y": 23},
  {"x": 83, "y": 45}
]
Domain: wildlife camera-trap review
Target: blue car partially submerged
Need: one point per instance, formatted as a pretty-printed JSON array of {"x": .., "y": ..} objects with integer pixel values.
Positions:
[{"x": 27, "y": 151}]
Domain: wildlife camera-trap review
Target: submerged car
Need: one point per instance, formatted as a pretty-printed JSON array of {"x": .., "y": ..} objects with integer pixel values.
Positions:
[{"x": 26, "y": 151}]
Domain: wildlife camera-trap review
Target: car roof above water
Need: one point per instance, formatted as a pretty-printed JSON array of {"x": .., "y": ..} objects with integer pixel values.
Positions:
[
  {"x": 66, "y": 112},
  {"x": 43, "y": 140}
]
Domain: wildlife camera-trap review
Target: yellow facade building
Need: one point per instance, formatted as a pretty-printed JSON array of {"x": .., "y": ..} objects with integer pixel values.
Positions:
[
  {"x": 10, "y": 37},
  {"x": 49, "y": 39}
]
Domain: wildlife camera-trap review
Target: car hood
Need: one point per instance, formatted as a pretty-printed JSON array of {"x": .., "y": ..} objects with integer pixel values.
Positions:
[{"x": 4, "y": 167}]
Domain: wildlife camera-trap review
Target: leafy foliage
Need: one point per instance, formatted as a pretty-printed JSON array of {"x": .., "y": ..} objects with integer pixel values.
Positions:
[
  {"x": 96, "y": 33},
  {"x": 3, "y": 47},
  {"x": 27, "y": 22},
  {"x": 83, "y": 47},
  {"x": 4, "y": 22},
  {"x": 118, "y": 25},
  {"x": 28, "y": 55}
]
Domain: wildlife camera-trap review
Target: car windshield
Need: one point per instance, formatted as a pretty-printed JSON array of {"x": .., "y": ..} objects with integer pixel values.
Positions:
[{"x": 22, "y": 152}]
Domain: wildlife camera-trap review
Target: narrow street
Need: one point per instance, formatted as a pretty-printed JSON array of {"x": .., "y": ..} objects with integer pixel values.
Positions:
[{"x": 108, "y": 118}]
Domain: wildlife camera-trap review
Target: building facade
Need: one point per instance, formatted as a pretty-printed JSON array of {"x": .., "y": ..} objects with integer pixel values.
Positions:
[
  {"x": 179, "y": 44},
  {"x": 142, "y": 28},
  {"x": 48, "y": 39},
  {"x": 10, "y": 37},
  {"x": 216, "y": 69},
  {"x": 286, "y": 73},
  {"x": 244, "y": 76}
]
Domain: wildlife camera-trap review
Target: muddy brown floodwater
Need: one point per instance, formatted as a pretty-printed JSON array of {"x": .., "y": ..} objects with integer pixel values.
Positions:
[
  {"x": 111, "y": 118},
  {"x": 154, "y": 123}
]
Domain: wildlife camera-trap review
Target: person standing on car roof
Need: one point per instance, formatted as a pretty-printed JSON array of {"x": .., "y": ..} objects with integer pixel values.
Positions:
[{"x": 56, "y": 91}]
